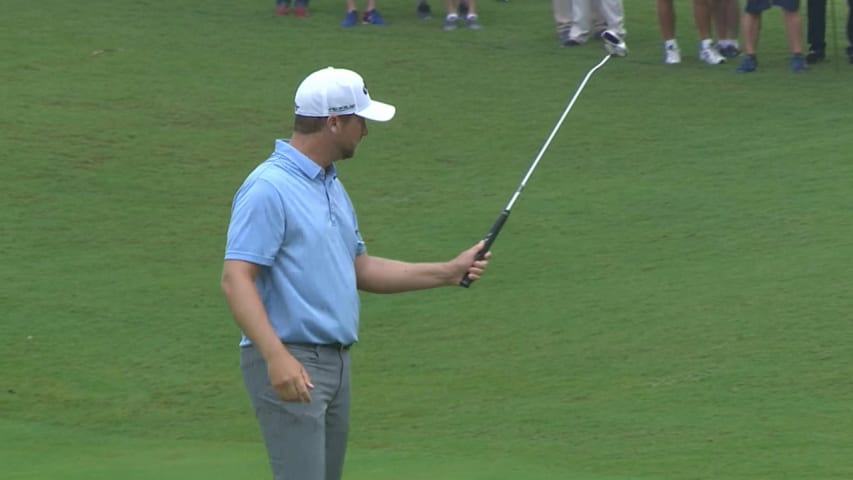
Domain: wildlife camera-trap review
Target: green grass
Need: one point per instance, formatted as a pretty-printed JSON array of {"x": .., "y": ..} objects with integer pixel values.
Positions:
[{"x": 670, "y": 299}]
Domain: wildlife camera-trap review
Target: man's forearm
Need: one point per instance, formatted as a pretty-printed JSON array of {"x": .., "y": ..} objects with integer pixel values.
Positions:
[{"x": 382, "y": 275}]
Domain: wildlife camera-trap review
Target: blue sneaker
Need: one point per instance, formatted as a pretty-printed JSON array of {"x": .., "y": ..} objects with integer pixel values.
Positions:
[
  {"x": 373, "y": 18},
  {"x": 350, "y": 19},
  {"x": 748, "y": 64},
  {"x": 798, "y": 63}
]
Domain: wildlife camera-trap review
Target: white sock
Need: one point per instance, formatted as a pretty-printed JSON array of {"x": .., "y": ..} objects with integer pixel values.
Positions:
[
  {"x": 452, "y": 17},
  {"x": 706, "y": 43},
  {"x": 671, "y": 43}
]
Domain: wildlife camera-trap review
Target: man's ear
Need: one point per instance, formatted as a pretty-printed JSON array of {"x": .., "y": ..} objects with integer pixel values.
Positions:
[{"x": 332, "y": 122}]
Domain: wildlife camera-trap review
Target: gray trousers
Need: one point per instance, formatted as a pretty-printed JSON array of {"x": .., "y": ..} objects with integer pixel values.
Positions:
[
  {"x": 304, "y": 441},
  {"x": 581, "y": 17}
]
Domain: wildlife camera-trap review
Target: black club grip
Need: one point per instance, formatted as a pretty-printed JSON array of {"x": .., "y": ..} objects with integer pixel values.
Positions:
[{"x": 489, "y": 239}]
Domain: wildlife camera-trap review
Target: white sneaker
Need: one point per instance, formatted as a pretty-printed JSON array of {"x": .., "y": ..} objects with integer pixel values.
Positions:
[
  {"x": 671, "y": 55},
  {"x": 614, "y": 44},
  {"x": 711, "y": 56}
]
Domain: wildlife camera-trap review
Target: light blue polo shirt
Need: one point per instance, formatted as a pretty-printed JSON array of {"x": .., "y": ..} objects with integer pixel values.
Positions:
[{"x": 296, "y": 221}]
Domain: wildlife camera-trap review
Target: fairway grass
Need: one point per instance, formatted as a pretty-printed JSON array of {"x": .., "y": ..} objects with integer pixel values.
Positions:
[
  {"x": 35, "y": 452},
  {"x": 670, "y": 299}
]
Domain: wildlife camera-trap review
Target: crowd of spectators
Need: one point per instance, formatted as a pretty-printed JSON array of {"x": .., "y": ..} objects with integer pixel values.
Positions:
[{"x": 717, "y": 24}]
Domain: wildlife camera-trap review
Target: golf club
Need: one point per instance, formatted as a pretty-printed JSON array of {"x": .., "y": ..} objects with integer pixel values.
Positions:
[{"x": 614, "y": 45}]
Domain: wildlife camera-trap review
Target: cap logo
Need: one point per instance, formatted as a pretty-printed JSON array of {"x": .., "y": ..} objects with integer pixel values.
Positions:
[{"x": 342, "y": 108}]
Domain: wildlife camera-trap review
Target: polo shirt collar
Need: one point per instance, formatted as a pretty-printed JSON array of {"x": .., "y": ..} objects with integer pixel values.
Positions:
[{"x": 305, "y": 164}]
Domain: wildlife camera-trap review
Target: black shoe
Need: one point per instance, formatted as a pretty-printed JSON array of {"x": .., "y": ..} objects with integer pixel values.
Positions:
[
  {"x": 729, "y": 51},
  {"x": 423, "y": 10},
  {"x": 815, "y": 56}
]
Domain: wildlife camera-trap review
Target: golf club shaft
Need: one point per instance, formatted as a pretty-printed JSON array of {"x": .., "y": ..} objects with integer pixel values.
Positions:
[{"x": 493, "y": 232}]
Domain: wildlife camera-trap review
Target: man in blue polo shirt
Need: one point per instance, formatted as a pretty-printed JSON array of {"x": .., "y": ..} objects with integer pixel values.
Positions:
[{"x": 294, "y": 262}]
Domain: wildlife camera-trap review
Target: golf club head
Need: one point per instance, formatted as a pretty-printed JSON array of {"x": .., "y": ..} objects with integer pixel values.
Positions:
[{"x": 614, "y": 44}]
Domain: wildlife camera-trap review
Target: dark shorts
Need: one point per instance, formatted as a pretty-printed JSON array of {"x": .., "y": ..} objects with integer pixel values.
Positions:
[{"x": 757, "y": 6}]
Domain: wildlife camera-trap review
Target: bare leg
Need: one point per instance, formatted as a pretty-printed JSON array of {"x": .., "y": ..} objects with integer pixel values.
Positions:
[
  {"x": 750, "y": 25},
  {"x": 666, "y": 19},
  {"x": 719, "y": 14},
  {"x": 732, "y": 11},
  {"x": 726, "y": 19},
  {"x": 792, "y": 29},
  {"x": 450, "y": 6},
  {"x": 472, "y": 7},
  {"x": 702, "y": 18}
]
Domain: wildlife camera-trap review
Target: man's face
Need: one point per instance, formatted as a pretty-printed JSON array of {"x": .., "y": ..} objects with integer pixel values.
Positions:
[{"x": 351, "y": 129}]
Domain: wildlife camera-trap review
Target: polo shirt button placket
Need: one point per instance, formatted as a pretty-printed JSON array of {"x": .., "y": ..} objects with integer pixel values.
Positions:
[
  {"x": 334, "y": 218},
  {"x": 332, "y": 214}
]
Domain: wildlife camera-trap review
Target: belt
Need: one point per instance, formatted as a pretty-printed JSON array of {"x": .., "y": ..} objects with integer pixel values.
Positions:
[{"x": 340, "y": 347}]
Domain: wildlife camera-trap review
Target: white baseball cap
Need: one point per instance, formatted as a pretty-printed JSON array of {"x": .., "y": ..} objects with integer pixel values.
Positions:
[{"x": 338, "y": 91}]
